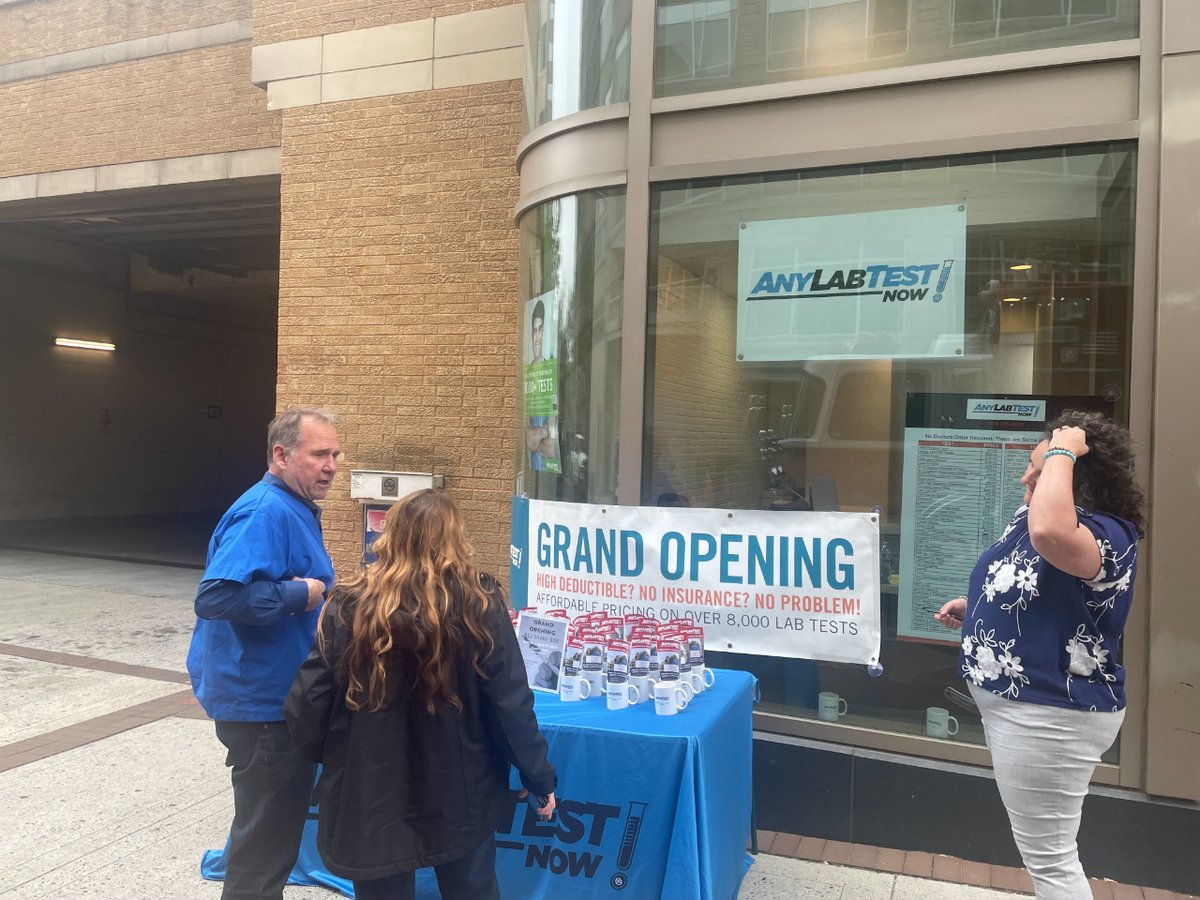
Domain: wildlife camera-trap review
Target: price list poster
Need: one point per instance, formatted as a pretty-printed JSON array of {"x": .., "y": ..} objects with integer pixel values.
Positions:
[{"x": 964, "y": 456}]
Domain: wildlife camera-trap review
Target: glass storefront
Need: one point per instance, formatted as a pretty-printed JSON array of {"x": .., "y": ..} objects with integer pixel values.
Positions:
[
  {"x": 577, "y": 57},
  {"x": 1046, "y": 308},
  {"x": 706, "y": 45},
  {"x": 571, "y": 288}
]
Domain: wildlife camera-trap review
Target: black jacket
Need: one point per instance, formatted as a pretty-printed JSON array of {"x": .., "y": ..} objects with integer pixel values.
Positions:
[{"x": 402, "y": 789}]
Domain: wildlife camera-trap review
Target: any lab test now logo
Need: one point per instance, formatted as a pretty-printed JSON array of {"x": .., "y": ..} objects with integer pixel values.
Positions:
[
  {"x": 1007, "y": 410},
  {"x": 889, "y": 283},
  {"x": 585, "y": 839}
]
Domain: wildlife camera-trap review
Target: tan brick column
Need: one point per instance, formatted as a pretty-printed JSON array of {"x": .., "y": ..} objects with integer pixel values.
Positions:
[{"x": 398, "y": 259}]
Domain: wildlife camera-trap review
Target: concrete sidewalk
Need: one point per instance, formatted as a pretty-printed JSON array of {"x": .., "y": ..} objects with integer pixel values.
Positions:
[{"x": 113, "y": 782}]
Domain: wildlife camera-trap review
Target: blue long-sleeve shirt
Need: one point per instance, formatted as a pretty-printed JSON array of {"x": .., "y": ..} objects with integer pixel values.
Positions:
[
  {"x": 256, "y": 603},
  {"x": 252, "y": 628}
]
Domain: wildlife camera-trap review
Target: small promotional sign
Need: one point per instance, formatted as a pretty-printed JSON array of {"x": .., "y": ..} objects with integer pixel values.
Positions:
[
  {"x": 695, "y": 645},
  {"x": 542, "y": 640},
  {"x": 639, "y": 656},
  {"x": 617, "y": 662},
  {"x": 573, "y": 658},
  {"x": 670, "y": 657},
  {"x": 593, "y": 651}
]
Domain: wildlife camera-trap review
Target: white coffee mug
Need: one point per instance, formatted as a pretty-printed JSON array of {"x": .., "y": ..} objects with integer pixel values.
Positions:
[
  {"x": 644, "y": 685},
  {"x": 595, "y": 680},
  {"x": 939, "y": 723},
  {"x": 679, "y": 681},
  {"x": 621, "y": 694},
  {"x": 701, "y": 678},
  {"x": 670, "y": 697},
  {"x": 574, "y": 687},
  {"x": 831, "y": 707}
]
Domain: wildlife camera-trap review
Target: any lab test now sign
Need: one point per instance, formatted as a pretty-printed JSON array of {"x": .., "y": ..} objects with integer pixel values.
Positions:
[{"x": 885, "y": 284}]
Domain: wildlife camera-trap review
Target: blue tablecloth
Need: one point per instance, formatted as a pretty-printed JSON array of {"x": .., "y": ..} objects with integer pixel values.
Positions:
[{"x": 649, "y": 806}]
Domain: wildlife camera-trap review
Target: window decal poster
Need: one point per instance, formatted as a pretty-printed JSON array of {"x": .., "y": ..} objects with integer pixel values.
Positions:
[
  {"x": 541, "y": 384},
  {"x": 885, "y": 284}
]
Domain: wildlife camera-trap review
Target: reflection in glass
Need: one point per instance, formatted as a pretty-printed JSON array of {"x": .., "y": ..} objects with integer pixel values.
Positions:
[
  {"x": 577, "y": 59},
  {"x": 571, "y": 287},
  {"x": 695, "y": 39},
  {"x": 705, "y": 45},
  {"x": 1047, "y": 302}
]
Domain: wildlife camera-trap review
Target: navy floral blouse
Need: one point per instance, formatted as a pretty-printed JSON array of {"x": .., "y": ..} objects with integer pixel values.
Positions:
[{"x": 1037, "y": 634}]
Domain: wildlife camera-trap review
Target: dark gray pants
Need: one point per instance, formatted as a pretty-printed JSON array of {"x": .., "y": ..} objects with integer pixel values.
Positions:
[
  {"x": 470, "y": 877},
  {"x": 272, "y": 787}
]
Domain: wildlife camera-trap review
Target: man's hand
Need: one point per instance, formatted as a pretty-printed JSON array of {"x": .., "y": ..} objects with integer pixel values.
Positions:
[{"x": 316, "y": 592}]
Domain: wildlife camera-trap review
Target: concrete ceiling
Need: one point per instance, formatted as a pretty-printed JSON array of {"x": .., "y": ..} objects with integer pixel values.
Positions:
[{"x": 227, "y": 227}]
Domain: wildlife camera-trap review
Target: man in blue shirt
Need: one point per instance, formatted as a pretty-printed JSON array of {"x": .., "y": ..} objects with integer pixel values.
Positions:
[{"x": 257, "y": 607}]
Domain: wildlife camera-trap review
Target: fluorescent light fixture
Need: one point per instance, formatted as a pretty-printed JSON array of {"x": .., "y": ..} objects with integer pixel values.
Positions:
[
  {"x": 84, "y": 345},
  {"x": 1021, "y": 267},
  {"x": 1011, "y": 300}
]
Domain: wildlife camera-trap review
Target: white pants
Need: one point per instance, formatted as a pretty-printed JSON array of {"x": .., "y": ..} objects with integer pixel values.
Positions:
[{"x": 1044, "y": 757}]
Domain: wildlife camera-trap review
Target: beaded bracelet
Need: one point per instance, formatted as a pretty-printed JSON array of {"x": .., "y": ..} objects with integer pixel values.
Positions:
[{"x": 1059, "y": 451}]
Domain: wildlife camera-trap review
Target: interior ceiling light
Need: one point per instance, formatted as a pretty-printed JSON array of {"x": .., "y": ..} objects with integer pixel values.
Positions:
[
  {"x": 84, "y": 345},
  {"x": 1021, "y": 267},
  {"x": 1011, "y": 300}
]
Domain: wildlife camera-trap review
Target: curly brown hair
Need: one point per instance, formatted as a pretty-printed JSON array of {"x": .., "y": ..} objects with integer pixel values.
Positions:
[
  {"x": 1104, "y": 477},
  {"x": 420, "y": 605}
]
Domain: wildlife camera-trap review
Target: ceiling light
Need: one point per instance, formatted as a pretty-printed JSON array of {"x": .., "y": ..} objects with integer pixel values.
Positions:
[
  {"x": 1011, "y": 300},
  {"x": 84, "y": 345},
  {"x": 1021, "y": 267}
]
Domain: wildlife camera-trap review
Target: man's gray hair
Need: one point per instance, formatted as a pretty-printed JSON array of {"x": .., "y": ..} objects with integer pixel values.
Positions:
[{"x": 284, "y": 429}]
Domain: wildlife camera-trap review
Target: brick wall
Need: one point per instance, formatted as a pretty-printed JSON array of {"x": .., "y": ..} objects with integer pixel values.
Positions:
[
  {"x": 183, "y": 104},
  {"x": 34, "y": 30},
  {"x": 397, "y": 299},
  {"x": 285, "y": 20}
]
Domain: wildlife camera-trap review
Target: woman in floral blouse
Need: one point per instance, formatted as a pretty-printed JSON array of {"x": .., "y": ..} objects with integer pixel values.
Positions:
[{"x": 1041, "y": 626}]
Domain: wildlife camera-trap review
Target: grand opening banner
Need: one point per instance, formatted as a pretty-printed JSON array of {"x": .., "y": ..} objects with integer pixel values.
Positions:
[
  {"x": 886, "y": 284},
  {"x": 802, "y": 584}
]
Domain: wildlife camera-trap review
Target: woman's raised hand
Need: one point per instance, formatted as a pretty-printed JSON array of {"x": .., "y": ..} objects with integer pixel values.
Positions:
[{"x": 1069, "y": 437}]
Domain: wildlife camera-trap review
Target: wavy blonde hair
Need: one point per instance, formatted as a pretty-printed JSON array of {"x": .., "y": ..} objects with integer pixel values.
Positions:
[{"x": 416, "y": 606}]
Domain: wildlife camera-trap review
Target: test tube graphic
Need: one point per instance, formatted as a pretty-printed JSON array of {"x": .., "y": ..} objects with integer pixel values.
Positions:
[
  {"x": 942, "y": 279},
  {"x": 629, "y": 839}
]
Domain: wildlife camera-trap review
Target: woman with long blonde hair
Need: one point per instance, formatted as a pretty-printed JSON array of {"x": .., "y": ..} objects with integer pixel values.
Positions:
[{"x": 415, "y": 700}]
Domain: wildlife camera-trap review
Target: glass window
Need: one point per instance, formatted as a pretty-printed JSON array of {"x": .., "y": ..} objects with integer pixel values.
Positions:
[
  {"x": 705, "y": 45},
  {"x": 1045, "y": 312},
  {"x": 577, "y": 58},
  {"x": 696, "y": 39},
  {"x": 571, "y": 290}
]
